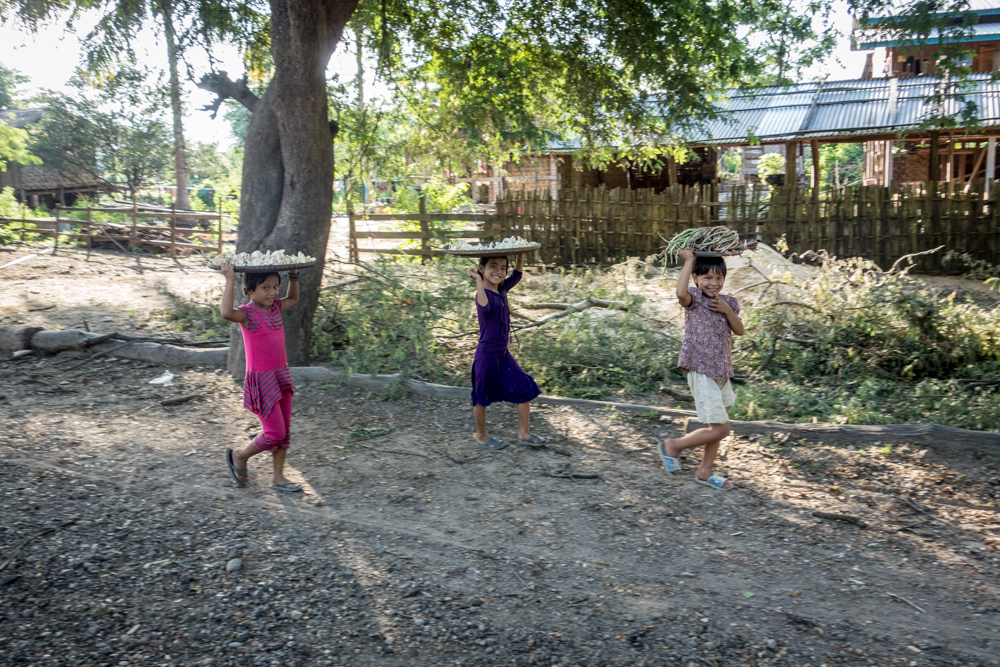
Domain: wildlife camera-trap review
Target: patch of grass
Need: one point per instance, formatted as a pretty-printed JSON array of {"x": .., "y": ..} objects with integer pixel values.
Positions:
[
  {"x": 198, "y": 318},
  {"x": 369, "y": 433}
]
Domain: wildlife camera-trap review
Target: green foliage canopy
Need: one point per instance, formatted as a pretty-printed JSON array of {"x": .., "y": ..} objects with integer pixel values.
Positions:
[{"x": 111, "y": 128}]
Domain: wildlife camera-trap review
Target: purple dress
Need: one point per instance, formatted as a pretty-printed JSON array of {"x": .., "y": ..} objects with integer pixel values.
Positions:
[{"x": 495, "y": 374}]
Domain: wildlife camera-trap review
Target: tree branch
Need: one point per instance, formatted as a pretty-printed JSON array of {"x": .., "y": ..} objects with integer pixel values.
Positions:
[
  {"x": 570, "y": 308},
  {"x": 220, "y": 84}
]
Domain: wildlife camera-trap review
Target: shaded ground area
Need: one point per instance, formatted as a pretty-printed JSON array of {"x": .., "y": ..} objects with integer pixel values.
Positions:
[{"x": 412, "y": 547}]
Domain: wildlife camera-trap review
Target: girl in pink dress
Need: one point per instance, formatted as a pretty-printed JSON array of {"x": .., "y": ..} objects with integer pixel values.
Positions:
[{"x": 267, "y": 386}]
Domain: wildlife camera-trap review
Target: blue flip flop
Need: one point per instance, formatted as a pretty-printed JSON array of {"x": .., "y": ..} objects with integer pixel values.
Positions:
[
  {"x": 670, "y": 464},
  {"x": 288, "y": 487},
  {"x": 234, "y": 472},
  {"x": 717, "y": 482},
  {"x": 492, "y": 444},
  {"x": 533, "y": 441}
]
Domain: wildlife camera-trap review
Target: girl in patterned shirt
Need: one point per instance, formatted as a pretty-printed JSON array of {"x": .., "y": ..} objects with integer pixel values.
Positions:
[
  {"x": 267, "y": 385},
  {"x": 710, "y": 319}
]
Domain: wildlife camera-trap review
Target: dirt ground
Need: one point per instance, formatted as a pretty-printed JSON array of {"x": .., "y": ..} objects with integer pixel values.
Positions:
[{"x": 124, "y": 541}]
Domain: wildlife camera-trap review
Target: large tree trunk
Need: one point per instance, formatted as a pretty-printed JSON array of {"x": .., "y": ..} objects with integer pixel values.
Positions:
[
  {"x": 180, "y": 163},
  {"x": 287, "y": 197}
]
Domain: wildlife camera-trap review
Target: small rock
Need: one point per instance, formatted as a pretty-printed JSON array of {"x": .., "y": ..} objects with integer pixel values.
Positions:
[
  {"x": 234, "y": 565},
  {"x": 296, "y": 615},
  {"x": 687, "y": 574}
]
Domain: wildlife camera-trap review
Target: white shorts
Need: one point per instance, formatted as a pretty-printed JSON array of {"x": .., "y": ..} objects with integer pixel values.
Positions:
[{"x": 711, "y": 397}]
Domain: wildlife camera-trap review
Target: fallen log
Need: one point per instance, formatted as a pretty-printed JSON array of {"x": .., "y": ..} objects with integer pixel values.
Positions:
[
  {"x": 14, "y": 340},
  {"x": 935, "y": 435},
  {"x": 64, "y": 340}
]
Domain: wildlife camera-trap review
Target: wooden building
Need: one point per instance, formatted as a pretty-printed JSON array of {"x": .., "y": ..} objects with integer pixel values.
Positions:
[
  {"x": 887, "y": 115},
  {"x": 907, "y": 55},
  {"x": 558, "y": 169}
]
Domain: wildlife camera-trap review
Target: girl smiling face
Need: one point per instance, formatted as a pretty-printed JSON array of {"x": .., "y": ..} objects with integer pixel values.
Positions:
[{"x": 494, "y": 272}]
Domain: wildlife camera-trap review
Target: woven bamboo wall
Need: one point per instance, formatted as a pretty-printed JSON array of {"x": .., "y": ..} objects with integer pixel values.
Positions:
[{"x": 591, "y": 225}]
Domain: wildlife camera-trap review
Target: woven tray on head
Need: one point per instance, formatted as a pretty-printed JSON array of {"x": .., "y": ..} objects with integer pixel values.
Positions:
[
  {"x": 496, "y": 252},
  {"x": 265, "y": 269}
]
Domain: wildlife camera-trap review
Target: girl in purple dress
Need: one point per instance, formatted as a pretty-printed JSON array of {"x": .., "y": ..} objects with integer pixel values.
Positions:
[{"x": 495, "y": 374}]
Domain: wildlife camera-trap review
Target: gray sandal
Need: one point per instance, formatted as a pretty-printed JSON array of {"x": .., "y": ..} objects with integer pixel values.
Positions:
[
  {"x": 492, "y": 444},
  {"x": 534, "y": 441}
]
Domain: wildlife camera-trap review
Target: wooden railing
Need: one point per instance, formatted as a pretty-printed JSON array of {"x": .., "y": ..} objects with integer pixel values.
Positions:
[
  {"x": 426, "y": 235},
  {"x": 126, "y": 236}
]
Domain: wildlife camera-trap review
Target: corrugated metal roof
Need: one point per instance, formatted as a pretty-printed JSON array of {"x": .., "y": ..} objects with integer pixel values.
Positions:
[
  {"x": 870, "y": 38},
  {"x": 842, "y": 108},
  {"x": 981, "y": 7}
]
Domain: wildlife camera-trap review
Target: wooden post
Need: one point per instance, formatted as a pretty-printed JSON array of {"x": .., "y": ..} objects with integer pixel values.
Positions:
[
  {"x": 791, "y": 162},
  {"x": 55, "y": 246},
  {"x": 888, "y": 167},
  {"x": 220, "y": 225},
  {"x": 814, "y": 147},
  {"x": 133, "y": 239},
  {"x": 991, "y": 159},
  {"x": 425, "y": 229},
  {"x": 173, "y": 230},
  {"x": 934, "y": 165},
  {"x": 672, "y": 170},
  {"x": 89, "y": 237},
  {"x": 352, "y": 240}
]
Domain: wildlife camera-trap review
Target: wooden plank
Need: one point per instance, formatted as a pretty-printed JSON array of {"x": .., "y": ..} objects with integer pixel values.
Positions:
[
  {"x": 426, "y": 217},
  {"x": 457, "y": 234},
  {"x": 404, "y": 251}
]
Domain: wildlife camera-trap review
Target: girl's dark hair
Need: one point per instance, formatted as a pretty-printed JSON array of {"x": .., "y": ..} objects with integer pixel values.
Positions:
[
  {"x": 252, "y": 280},
  {"x": 482, "y": 266},
  {"x": 706, "y": 265}
]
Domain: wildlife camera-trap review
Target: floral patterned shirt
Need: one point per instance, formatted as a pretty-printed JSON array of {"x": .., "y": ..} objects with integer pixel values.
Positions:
[{"x": 708, "y": 338}]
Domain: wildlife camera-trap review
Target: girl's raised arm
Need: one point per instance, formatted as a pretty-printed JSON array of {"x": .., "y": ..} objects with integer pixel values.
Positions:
[
  {"x": 520, "y": 262},
  {"x": 682, "y": 280},
  {"x": 228, "y": 312},
  {"x": 292, "y": 295},
  {"x": 481, "y": 297}
]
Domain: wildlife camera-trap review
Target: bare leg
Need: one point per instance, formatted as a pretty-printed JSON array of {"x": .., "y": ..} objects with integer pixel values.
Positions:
[
  {"x": 240, "y": 458},
  {"x": 479, "y": 414},
  {"x": 278, "y": 459},
  {"x": 523, "y": 421},
  {"x": 703, "y": 436}
]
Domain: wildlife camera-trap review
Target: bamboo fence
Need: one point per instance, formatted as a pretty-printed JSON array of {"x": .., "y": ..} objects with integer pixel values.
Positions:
[{"x": 596, "y": 225}]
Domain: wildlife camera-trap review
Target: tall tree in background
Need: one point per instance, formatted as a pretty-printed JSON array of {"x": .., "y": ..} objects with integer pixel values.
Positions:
[
  {"x": 10, "y": 79},
  {"x": 110, "y": 44}
]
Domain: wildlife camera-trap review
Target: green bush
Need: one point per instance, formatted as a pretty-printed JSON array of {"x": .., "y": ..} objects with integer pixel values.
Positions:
[
  {"x": 198, "y": 317},
  {"x": 860, "y": 345},
  {"x": 384, "y": 319}
]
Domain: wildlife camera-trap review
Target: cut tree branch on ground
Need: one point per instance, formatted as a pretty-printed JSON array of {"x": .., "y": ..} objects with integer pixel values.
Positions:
[
  {"x": 678, "y": 395},
  {"x": 566, "y": 309},
  {"x": 31, "y": 539},
  {"x": 571, "y": 308},
  {"x": 911, "y": 255},
  {"x": 840, "y": 517}
]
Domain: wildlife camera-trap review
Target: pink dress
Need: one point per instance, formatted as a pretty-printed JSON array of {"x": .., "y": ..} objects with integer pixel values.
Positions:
[{"x": 267, "y": 375}]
